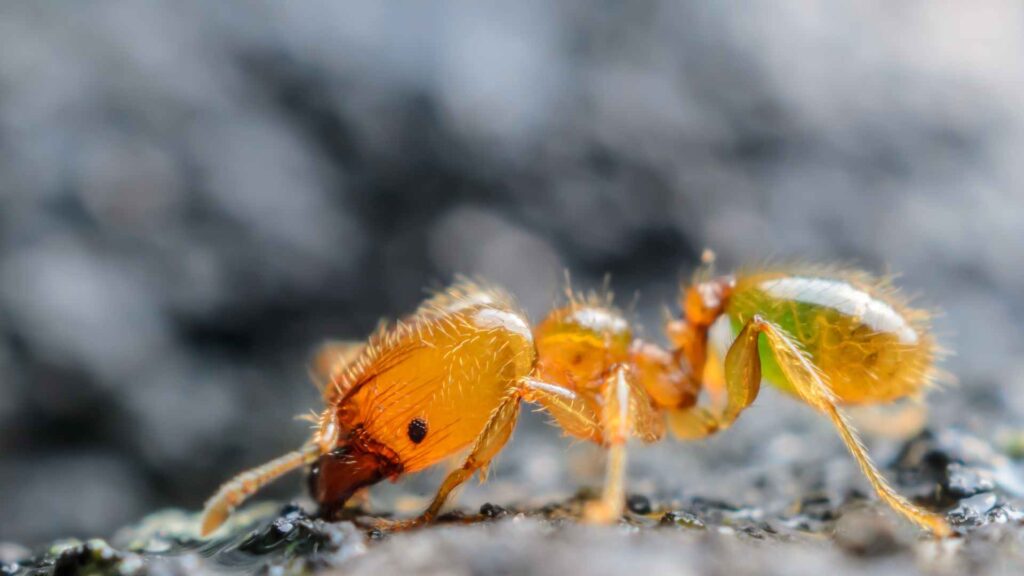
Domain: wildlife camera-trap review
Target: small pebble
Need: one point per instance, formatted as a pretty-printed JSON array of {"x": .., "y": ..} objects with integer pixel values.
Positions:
[
  {"x": 965, "y": 482},
  {"x": 638, "y": 504},
  {"x": 682, "y": 519},
  {"x": 973, "y": 511},
  {"x": 492, "y": 511}
]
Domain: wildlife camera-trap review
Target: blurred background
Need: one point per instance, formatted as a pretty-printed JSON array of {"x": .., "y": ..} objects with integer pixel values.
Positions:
[{"x": 193, "y": 195}]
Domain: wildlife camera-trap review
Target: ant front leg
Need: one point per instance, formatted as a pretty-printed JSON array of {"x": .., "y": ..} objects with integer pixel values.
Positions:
[
  {"x": 743, "y": 364},
  {"x": 491, "y": 440}
]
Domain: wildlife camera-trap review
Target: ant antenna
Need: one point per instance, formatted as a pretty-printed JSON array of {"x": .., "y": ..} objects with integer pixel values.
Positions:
[{"x": 244, "y": 485}]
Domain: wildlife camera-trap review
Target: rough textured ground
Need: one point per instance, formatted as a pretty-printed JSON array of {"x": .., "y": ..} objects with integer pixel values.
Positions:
[{"x": 822, "y": 532}]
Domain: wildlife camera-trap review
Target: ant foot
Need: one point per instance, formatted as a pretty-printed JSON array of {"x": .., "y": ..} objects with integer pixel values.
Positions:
[
  {"x": 601, "y": 512},
  {"x": 387, "y": 525}
]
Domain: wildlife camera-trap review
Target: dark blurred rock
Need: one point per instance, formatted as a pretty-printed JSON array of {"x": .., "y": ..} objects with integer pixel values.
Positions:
[
  {"x": 946, "y": 467},
  {"x": 681, "y": 518},
  {"x": 974, "y": 510},
  {"x": 95, "y": 556},
  {"x": 817, "y": 507},
  {"x": 489, "y": 510},
  {"x": 295, "y": 536},
  {"x": 638, "y": 504}
]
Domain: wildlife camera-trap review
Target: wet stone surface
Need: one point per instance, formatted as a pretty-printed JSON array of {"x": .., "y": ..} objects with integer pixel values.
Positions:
[
  {"x": 974, "y": 483},
  {"x": 963, "y": 474}
]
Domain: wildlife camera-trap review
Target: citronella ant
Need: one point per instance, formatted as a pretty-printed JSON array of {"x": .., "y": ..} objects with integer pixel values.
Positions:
[{"x": 452, "y": 376}]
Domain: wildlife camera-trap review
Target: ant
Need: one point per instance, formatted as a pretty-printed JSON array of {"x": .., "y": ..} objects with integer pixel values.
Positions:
[{"x": 453, "y": 374}]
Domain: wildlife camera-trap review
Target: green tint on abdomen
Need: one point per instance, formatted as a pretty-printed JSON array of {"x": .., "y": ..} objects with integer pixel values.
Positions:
[{"x": 797, "y": 319}]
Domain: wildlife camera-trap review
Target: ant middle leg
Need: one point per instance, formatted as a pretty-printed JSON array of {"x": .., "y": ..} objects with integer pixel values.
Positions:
[
  {"x": 627, "y": 411},
  {"x": 736, "y": 385}
]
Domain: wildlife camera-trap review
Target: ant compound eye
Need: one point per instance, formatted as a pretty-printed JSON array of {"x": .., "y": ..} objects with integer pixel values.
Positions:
[{"x": 417, "y": 430}]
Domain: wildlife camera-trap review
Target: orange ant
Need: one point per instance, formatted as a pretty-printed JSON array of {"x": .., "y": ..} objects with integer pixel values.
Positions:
[{"x": 452, "y": 377}]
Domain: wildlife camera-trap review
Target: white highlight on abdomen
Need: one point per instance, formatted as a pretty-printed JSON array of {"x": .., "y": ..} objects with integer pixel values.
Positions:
[{"x": 845, "y": 299}]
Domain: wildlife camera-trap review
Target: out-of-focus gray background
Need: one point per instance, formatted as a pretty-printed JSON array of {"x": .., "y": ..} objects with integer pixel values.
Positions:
[{"x": 192, "y": 195}]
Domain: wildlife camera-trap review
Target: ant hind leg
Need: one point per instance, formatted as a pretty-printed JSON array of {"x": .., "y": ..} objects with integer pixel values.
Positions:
[{"x": 810, "y": 385}]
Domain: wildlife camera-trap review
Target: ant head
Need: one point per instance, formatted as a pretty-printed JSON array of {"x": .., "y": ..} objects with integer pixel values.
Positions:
[
  {"x": 339, "y": 474},
  {"x": 358, "y": 461}
]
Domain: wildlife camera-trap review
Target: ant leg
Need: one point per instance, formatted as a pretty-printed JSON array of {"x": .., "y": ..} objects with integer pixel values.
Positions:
[
  {"x": 739, "y": 384},
  {"x": 811, "y": 386},
  {"x": 713, "y": 381},
  {"x": 576, "y": 414},
  {"x": 581, "y": 416},
  {"x": 692, "y": 423},
  {"x": 627, "y": 411},
  {"x": 491, "y": 440}
]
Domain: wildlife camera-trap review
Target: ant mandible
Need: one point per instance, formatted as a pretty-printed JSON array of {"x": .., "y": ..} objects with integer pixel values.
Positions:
[{"x": 452, "y": 376}]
